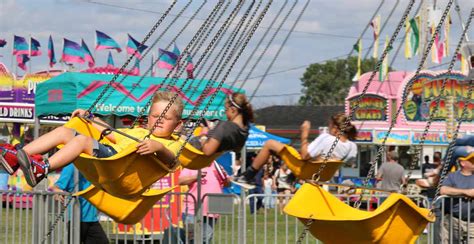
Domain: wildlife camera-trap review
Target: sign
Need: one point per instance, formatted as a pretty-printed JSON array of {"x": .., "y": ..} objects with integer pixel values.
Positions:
[
  {"x": 364, "y": 136},
  {"x": 395, "y": 137},
  {"x": 371, "y": 108},
  {"x": 426, "y": 88},
  {"x": 17, "y": 112},
  {"x": 435, "y": 138}
]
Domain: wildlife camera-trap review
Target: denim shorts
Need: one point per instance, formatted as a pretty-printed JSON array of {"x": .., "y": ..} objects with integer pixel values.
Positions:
[{"x": 100, "y": 150}]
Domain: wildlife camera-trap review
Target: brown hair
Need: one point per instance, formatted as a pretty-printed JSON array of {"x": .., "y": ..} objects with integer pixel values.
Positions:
[
  {"x": 167, "y": 97},
  {"x": 338, "y": 121},
  {"x": 243, "y": 105}
]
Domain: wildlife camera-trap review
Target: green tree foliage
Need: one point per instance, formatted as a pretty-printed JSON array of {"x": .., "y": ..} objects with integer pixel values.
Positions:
[{"x": 328, "y": 83}]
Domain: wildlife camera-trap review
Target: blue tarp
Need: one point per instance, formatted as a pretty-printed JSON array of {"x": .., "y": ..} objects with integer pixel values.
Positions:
[{"x": 258, "y": 137}]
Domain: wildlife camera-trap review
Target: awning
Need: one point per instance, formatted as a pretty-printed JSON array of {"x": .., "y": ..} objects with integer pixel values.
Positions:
[
  {"x": 258, "y": 137},
  {"x": 62, "y": 94}
]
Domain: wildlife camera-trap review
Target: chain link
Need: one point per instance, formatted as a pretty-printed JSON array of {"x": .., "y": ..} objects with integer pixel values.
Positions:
[
  {"x": 307, "y": 225},
  {"x": 114, "y": 78}
]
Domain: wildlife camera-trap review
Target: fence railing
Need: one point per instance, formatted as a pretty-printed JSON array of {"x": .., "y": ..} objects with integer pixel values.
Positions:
[{"x": 27, "y": 217}]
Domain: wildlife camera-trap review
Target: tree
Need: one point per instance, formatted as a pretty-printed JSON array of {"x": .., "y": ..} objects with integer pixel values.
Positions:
[{"x": 328, "y": 83}]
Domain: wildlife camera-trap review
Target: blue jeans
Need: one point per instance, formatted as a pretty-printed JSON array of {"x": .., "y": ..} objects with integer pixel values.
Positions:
[
  {"x": 207, "y": 227},
  {"x": 460, "y": 149}
]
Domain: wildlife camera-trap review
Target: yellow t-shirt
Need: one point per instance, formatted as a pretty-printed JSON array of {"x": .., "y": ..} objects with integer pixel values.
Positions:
[{"x": 122, "y": 142}]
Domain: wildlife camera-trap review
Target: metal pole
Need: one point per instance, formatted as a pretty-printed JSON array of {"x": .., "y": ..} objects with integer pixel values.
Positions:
[
  {"x": 242, "y": 218},
  {"x": 76, "y": 219},
  {"x": 198, "y": 211}
]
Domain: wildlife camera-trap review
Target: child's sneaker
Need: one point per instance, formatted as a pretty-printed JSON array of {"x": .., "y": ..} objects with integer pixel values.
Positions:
[
  {"x": 8, "y": 158},
  {"x": 34, "y": 168}
]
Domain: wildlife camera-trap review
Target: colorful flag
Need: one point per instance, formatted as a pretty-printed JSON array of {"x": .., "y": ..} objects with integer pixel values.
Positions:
[
  {"x": 464, "y": 66},
  {"x": 434, "y": 50},
  {"x": 408, "y": 54},
  {"x": 3, "y": 42},
  {"x": 51, "y": 56},
  {"x": 34, "y": 47},
  {"x": 384, "y": 67},
  {"x": 415, "y": 35},
  {"x": 106, "y": 42},
  {"x": 166, "y": 59},
  {"x": 133, "y": 45},
  {"x": 358, "y": 48},
  {"x": 176, "y": 50},
  {"x": 110, "y": 60},
  {"x": 447, "y": 30},
  {"x": 21, "y": 61},
  {"x": 20, "y": 46},
  {"x": 87, "y": 54},
  {"x": 72, "y": 52},
  {"x": 136, "y": 67},
  {"x": 190, "y": 67},
  {"x": 375, "y": 23}
]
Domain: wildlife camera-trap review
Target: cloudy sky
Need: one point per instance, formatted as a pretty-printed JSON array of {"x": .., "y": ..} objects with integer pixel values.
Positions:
[{"x": 327, "y": 30}]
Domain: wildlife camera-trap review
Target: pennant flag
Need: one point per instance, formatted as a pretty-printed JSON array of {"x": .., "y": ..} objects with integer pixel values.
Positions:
[
  {"x": 384, "y": 67},
  {"x": 133, "y": 45},
  {"x": 434, "y": 51},
  {"x": 415, "y": 35},
  {"x": 375, "y": 23},
  {"x": 21, "y": 61},
  {"x": 464, "y": 66},
  {"x": 358, "y": 48},
  {"x": 136, "y": 67},
  {"x": 176, "y": 50},
  {"x": 3, "y": 42},
  {"x": 87, "y": 54},
  {"x": 51, "y": 56},
  {"x": 106, "y": 42},
  {"x": 447, "y": 30},
  {"x": 34, "y": 47},
  {"x": 408, "y": 54},
  {"x": 167, "y": 60},
  {"x": 190, "y": 67},
  {"x": 110, "y": 60},
  {"x": 72, "y": 52},
  {"x": 20, "y": 46}
]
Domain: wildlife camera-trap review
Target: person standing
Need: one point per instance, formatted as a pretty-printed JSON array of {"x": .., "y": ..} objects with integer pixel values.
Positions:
[
  {"x": 391, "y": 173},
  {"x": 91, "y": 231}
]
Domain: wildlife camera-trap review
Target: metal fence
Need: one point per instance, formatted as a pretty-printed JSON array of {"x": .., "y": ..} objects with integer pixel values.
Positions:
[{"x": 27, "y": 217}]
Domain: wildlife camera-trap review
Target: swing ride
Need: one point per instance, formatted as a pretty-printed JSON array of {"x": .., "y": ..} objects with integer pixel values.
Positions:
[{"x": 121, "y": 183}]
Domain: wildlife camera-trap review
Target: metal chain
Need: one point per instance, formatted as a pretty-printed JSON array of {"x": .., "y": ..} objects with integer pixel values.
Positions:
[
  {"x": 198, "y": 34},
  {"x": 112, "y": 81},
  {"x": 354, "y": 107},
  {"x": 307, "y": 225},
  {"x": 279, "y": 50},
  {"x": 173, "y": 99},
  {"x": 149, "y": 49},
  {"x": 260, "y": 42},
  {"x": 438, "y": 98},
  {"x": 58, "y": 218},
  {"x": 381, "y": 149},
  {"x": 238, "y": 54}
]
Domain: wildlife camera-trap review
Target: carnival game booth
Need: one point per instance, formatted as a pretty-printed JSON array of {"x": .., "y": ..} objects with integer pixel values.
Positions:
[
  {"x": 381, "y": 101},
  {"x": 69, "y": 91}
]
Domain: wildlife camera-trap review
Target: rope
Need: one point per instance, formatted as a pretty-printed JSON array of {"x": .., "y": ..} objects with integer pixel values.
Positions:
[{"x": 114, "y": 78}]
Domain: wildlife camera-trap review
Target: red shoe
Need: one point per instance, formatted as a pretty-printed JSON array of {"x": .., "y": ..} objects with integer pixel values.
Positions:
[
  {"x": 33, "y": 167},
  {"x": 8, "y": 158}
]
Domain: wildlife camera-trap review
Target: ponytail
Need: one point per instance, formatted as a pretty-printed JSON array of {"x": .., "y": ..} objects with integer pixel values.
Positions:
[
  {"x": 338, "y": 121},
  {"x": 239, "y": 100}
]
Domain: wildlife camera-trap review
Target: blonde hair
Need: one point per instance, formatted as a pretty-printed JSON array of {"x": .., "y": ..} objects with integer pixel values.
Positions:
[{"x": 165, "y": 96}]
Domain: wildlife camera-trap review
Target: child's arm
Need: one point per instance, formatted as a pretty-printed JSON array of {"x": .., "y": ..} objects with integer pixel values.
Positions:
[
  {"x": 305, "y": 127},
  {"x": 85, "y": 113},
  {"x": 152, "y": 146}
]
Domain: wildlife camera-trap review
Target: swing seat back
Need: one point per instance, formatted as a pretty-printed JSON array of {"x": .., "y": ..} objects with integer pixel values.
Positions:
[
  {"x": 304, "y": 169},
  {"x": 125, "y": 174},
  {"x": 396, "y": 220},
  {"x": 192, "y": 158},
  {"x": 124, "y": 211},
  {"x": 469, "y": 157}
]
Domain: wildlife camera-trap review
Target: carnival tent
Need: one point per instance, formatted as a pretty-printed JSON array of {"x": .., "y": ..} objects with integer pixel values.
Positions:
[
  {"x": 258, "y": 137},
  {"x": 64, "y": 93}
]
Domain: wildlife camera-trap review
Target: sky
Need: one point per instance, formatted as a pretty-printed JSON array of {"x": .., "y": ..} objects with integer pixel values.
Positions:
[{"x": 326, "y": 31}]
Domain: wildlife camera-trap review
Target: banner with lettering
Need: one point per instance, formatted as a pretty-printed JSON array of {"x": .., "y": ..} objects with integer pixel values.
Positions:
[
  {"x": 426, "y": 88},
  {"x": 371, "y": 108}
]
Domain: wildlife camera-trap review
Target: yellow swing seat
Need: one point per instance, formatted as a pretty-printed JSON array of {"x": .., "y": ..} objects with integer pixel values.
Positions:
[
  {"x": 125, "y": 174},
  {"x": 124, "y": 211},
  {"x": 304, "y": 169},
  {"x": 469, "y": 157},
  {"x": 396, "y": 220},
  {"x": 192, "y": 158}
]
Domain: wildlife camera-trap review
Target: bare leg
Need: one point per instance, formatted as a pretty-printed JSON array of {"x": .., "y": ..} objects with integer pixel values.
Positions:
[
  {"x": 79, "y": 144},
  {"x": 48, "y": 141},
  {"x": 264, "y": 154}
]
